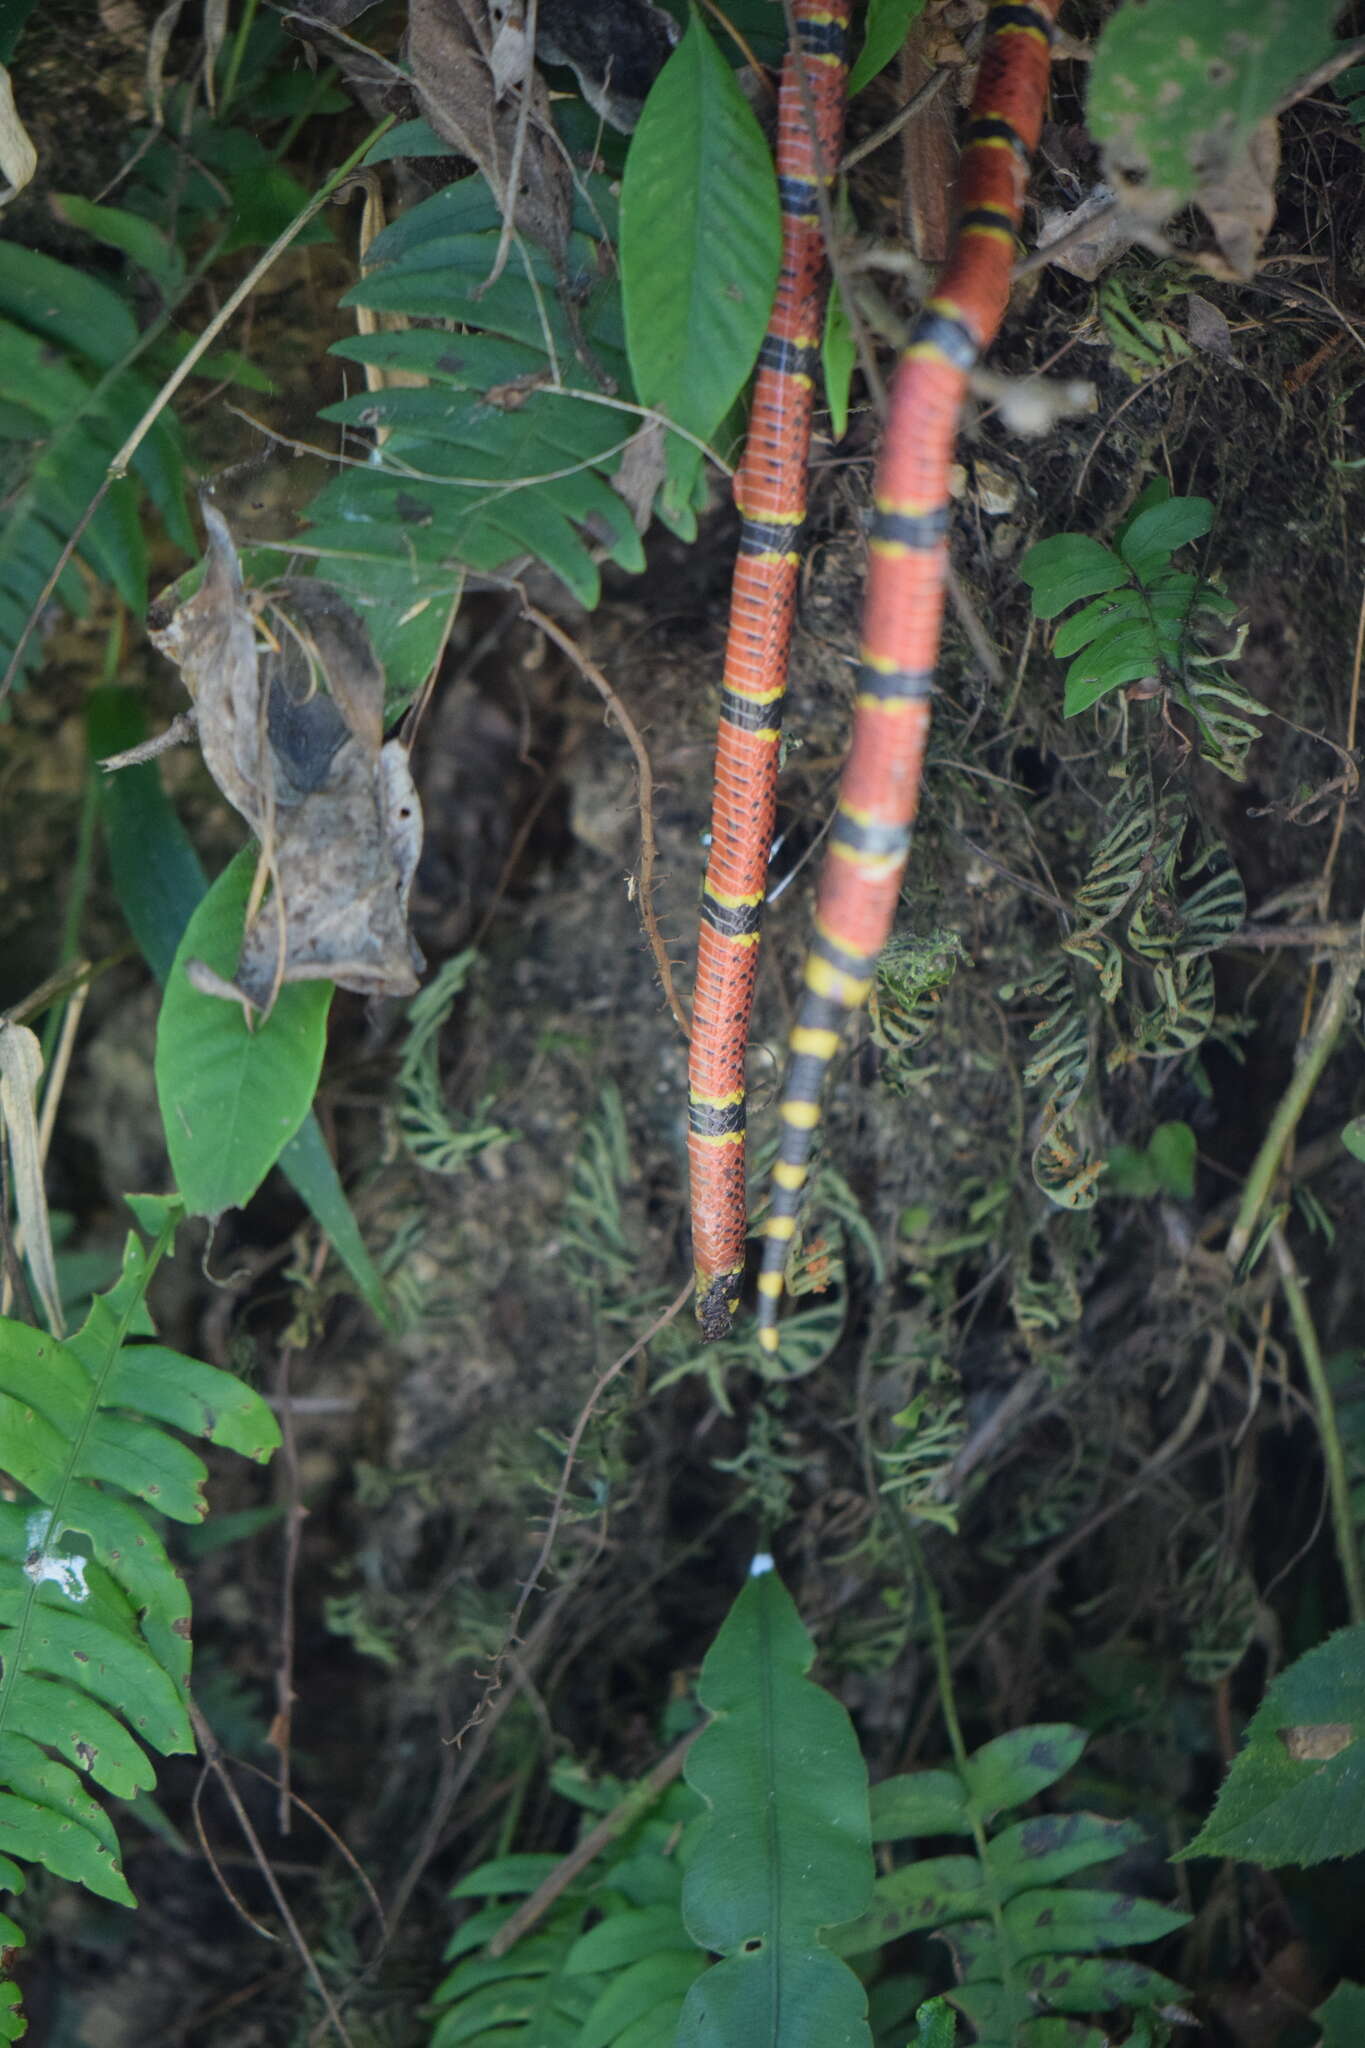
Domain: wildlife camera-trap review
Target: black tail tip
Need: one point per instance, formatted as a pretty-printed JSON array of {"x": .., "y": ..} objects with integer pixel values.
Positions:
[{"x": 716, "y": 1307}]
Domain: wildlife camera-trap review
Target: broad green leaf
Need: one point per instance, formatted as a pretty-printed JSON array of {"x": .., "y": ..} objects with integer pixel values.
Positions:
[
  {"x": 63, "y": 1847},
  {"x": 120, "y": 1450},
  {"x": 79, "y": 1728},
  {"x": 1052, "y": 1846},
  {"x": 60, "y": 1643},
  {"x": 159, "y": 884},
  {"x": 700, "y": 238},
  {"x": 1067, "y": 567},
  {"x": 1085, "y": 625},
  {"x": 928, "y": 1894},
  {"x": 1296, "y": 1791},
  {"x": 1018, "y": 1766},
  {"x": 506, "y": 1876},
  {"x": 192, "y": 1396},
  {"x": 30, "y": 1773},
  {"x": 935, "y": 2025},
  {"x": 67, "y": 306},
  {"x": 1098, "y": 1984},
  {"x": 838, "y": 356},
  {"x": 1342, "y": 2017},
  {"x": 137, "y": 238},
  {"x": 627, "y": 1937},
  {"x": 1179, "y": 86},
  {"x": 639, "y": 1990},
  {"x": 1129, "y": 661},
  {"x": 409, "y": 138},
  {"x": 1153, "y": 537},
  {"x": 922, "y": 1803},
  {"x": 265, "y": 199},
  {"x": 888, "y": 23},
  {"x": 1048, "y": 1923},
  {"x": 787, "y": 1849},
  {"x": 231, "y": 1099},
  {"x": 1353, "y": 1137}
]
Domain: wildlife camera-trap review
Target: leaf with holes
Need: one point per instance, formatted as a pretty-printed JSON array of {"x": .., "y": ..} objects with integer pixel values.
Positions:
[{"x": 787, "y": 1851}]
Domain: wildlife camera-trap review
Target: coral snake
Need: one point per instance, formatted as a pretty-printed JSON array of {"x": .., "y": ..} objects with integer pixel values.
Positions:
[{"x": 860, "y": 883}]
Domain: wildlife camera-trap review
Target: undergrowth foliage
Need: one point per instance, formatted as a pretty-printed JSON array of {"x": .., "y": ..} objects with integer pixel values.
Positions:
[
  {"x": 532, "y": 406},
  {"x": 94, "y": 1618},
  {"x": 1148, "y": 624}
]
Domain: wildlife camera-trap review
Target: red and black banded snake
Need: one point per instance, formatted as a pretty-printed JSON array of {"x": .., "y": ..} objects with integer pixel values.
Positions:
[
  {"x": 869, "y": 843},
  {"x": 770, "y": 490}
]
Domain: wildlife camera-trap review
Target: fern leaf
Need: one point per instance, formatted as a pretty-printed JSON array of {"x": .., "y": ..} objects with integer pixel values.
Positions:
[
  {"x": 483, "y": 464},
  {"x": 1025, "y": 1944},
  {"x": 1147, "y": 621},
  {"x": 94, "y": 1620}
]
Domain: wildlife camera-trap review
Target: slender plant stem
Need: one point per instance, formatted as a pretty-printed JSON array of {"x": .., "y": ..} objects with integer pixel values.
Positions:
[
  {"x": 239, "y": 42},
  {"x": 1324, "y": 1408},
  {"x": 1346, "y": 971}
]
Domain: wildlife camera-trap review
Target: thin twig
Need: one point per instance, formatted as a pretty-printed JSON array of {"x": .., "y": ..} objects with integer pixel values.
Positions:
[
  {"x": 645, "y": 777},
  {"x": 585, "y": 1415},
  {"x": 637, "y": 1801},
  {"x": 215, "y": 1766}
]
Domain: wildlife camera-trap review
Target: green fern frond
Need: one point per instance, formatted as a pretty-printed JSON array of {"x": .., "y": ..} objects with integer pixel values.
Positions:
[
  {"x": 70, "y": 402},
  {"x": 903, "y": 1005},
  {"x": 1032, "y": 1951},
  {"x": 507, "y": 445},
  {"x": 94, "y": 1619},
  {"x": 1142, "y": 342},
  {"x": 595, "y": 1246},
  {"x": 608, "y": 1967},
  {"x": 433, "y": 1140},
  {"x": 1146, "y": 622}
]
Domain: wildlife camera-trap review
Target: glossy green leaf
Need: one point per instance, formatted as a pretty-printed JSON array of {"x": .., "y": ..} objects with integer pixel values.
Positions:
[
  {"x": 63, "y": 1847},
  {"x": 137, "y": 238},
  {"x": 1296, "y": 1790},
  {"x": 1067, "y": 567},
  {"x": 1065, "y": 1922},
  {"x": 627, "y": 1937},
  {"x": 1018, "y": 1766},
  {"x": 935, "y": 2025},
  {"x": 888, "y": 23},
  {"x": 921, "y": 1803},
  {"x": 646, "y": 1989},
  {"x": 924, "y": 1895},
  {"x": 1098, "y": 1984},
  {"x": 838, "y": 358},
  {"x": 159, "y": 884},
  {"x": 700, "y": 238},
  {"x": 1149, "y": 541},
  {"x": 1051, "y": 1846},
  {"x": 1342, "y": 2017},
  {"x": 787, "y": 1849},
  {"x": 232, "y": 1098}
]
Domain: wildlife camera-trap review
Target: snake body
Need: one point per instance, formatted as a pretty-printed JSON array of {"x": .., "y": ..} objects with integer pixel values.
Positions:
[
  {"x": 865, "y": 862},
  {"x": 770, "y": 490}
]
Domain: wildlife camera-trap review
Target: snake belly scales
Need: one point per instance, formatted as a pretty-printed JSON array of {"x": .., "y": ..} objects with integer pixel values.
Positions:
[{"x": 869, "y": 841}]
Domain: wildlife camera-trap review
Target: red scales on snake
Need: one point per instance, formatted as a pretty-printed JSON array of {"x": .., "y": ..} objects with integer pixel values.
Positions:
[{"x": 860, "y": 884}]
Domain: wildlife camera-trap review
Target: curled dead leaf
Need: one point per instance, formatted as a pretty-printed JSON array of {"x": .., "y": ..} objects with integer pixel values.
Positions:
[{"x": 292, "y": 734}]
